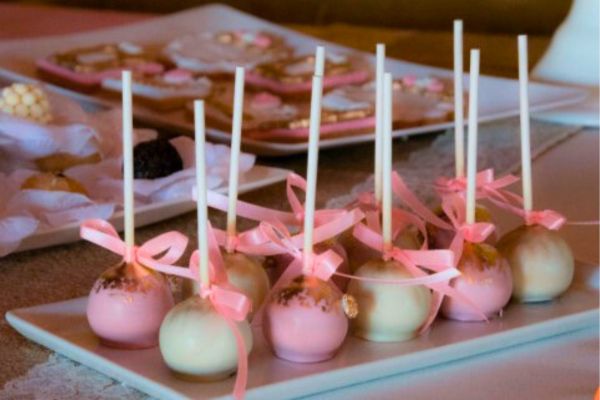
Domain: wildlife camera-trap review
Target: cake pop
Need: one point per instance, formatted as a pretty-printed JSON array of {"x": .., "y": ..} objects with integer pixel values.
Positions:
[
  {"x": 304, "y": 317},
  {"x": 486, "y": 279},
  {"x": 388, "y": 312},
  {"x": 207, "y": 336},
  {"x": 128, "y": 302},
  {"x": 541, "y": 260}
]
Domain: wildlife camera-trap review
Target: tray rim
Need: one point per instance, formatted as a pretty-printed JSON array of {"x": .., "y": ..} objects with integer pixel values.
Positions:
[{"x": 395, "y": 365}]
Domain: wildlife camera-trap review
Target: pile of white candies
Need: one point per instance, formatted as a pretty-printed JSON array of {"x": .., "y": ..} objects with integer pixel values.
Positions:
[{"x": 26, "y": 101}]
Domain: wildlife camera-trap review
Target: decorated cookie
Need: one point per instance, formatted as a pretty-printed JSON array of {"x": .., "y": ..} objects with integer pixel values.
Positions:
[
  {"x": 294, "y": 76},
  {"x": 269, "y": 117},
  {"x": 263, "y": 111},
  {"x": 221, "y": 52},
  {"x": 86, "y": 68},
  {"x": 28, "y": 101},
  {"x": 169, "y": 90}
]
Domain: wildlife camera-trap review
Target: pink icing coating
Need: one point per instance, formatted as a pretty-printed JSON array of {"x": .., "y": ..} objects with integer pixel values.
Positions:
[
  {"x": 304, "y": 333},
  {"x": 265, "y": 100},
  {"x": 490, "y": 289},
  {"x": 409, "y": 80},
  {"x": 93, "y": 79},
  {"x": 178, "y": 75},
  {"x": 329, "y": 82},
  {"x": 435, "y": 86},
  {"x": 126, "y": 319}
]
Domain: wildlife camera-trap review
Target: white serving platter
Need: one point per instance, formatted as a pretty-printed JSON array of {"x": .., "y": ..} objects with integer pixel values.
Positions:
[
  {"x": 257, "y": 177},
  {"x": 63, "y": 328},
  {"x": 498, "y": 97}
]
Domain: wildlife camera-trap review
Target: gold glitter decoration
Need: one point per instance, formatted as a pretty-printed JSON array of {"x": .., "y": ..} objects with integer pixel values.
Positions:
[
  {"x": 309, "y": 291},
  {"x": 480, "y": 255},
  {"x": 129, "y": 277},
  {"x": 350, "y": 306}
]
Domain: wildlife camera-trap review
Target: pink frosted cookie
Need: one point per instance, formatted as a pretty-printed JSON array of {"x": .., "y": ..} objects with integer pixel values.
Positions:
[
  {"x": 85, "y": 68},
  {"x": 221, "y": 52},
  {"x": 350, "y": 110},
  {"x": 268, "y": 117},
  {"x": 307, "y": 320},
  {"x": 127, "y": 305},
  {"x": 486, "y": 280},
  {"x": 293, "y": 77},
  {"x": 169, "y": 90}
]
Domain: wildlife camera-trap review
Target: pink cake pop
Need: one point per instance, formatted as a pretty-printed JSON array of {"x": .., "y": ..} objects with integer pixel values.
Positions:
[
  {"x": 486, "y": 279},
  {"x": 304, "y": 319},
  {"x": 128, "y": 302},
  {"x": 127, "y": 305}
]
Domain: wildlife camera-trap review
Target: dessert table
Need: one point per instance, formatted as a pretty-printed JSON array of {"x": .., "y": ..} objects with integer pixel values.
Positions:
[{"x": 565, "y": 175}]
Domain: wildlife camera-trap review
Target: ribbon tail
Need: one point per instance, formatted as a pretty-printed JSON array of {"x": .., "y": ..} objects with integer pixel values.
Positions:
[{"x": 241, "y": 379}]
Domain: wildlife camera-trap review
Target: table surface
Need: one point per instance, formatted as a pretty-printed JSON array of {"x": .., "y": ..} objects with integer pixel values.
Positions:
[{"x": 565, "y": 178}]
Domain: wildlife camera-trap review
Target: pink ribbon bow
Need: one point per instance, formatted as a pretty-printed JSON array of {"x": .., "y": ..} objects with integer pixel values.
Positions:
[
  {"x": 322, "y": 266},
  {"x": 103, "y": 234},
  {"x": 454, "y": 208},
  {"x": 549, "y": 219},
  {"x": 485, "y": 183}
]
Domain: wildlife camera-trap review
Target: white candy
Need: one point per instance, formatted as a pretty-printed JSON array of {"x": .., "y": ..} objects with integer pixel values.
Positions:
[
  {"x": 26, "y": 101},
  {"x": 541, "y": 261},
  {"x": 198, "y": 344},
  {"x": 388, "y": 313}
]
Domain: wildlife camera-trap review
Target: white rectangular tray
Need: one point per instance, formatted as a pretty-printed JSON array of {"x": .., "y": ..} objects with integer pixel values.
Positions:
[
  {"x": 63, "y": 328},
  {"x": 259, "y": 176},
  {"x": 498, "y": 97}
]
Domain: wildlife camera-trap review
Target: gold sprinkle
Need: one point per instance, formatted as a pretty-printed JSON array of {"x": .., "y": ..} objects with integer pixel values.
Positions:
[{"x": 350, "y": 306}]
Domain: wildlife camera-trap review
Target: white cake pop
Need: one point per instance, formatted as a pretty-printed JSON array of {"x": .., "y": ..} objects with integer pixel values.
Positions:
[{"x": 388, "y": 313}]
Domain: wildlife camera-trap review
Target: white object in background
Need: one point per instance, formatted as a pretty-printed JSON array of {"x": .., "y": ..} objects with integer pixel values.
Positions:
[{"x": 573, "y": 59}]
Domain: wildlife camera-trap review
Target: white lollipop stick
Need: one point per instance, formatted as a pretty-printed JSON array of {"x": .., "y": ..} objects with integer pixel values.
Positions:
[
  {"x": 525, "y": 133},
  {"x": 234, "y": 162},
  {"x": 320, "y": 61},
  {"x": 472, "y": 138},
  {"x": 128, "y": 161},
  {"x": 459, "y": 127},
  {"x": 387, "y": 163},
  {"x": 311, "y": 169},
  {"x": 379, "y": 71},
  {"x": 201, "y": 207}
]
